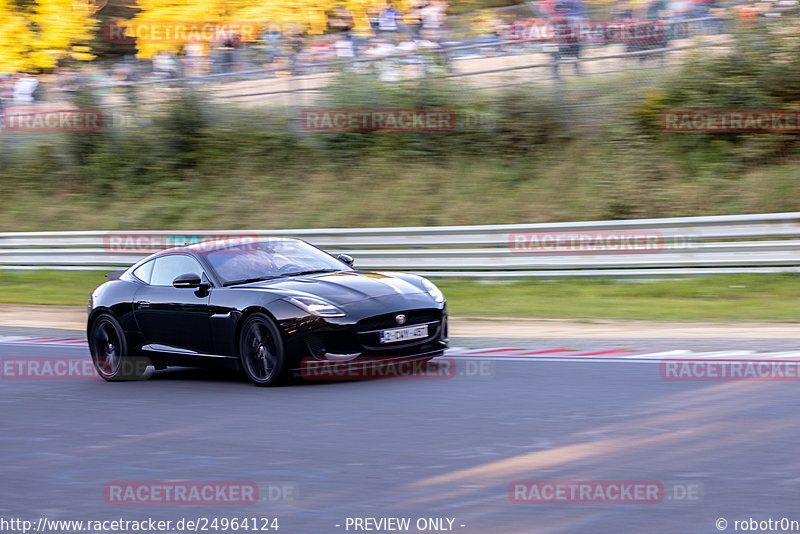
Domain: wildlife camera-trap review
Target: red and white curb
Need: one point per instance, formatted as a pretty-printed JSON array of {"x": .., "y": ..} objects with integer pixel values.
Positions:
[
  {"x": 516, "y": 354},
  {"x": 57, "y": 341}
]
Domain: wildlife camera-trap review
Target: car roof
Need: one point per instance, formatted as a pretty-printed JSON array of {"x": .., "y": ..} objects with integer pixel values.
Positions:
[
  {"x": 212, "y": 244},
  {"x": 197, "y": 249}
]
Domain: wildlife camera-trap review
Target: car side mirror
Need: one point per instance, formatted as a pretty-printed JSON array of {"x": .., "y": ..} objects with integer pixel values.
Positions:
[
  {"x": 187, "y": 281},
  {"x": 349, "y": 260}
]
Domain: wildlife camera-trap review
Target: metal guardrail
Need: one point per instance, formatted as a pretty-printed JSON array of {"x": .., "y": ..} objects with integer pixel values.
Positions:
[{"x": 638, "y": 248}]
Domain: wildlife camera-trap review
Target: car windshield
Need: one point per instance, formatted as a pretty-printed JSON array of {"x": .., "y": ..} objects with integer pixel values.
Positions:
[{"x": 261, "y": 259}]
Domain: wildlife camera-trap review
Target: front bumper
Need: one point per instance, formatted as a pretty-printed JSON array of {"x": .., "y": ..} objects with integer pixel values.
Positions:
[{"x": 359, "y": 341}]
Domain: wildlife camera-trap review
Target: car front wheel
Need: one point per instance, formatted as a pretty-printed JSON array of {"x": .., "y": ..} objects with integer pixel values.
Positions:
[{"x": 261, "y": 350}]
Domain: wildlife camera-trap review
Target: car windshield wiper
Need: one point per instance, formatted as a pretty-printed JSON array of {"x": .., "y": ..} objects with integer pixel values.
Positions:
[
  {"x": 248, "y": 280},
  {"x": 311, "y": 271}
]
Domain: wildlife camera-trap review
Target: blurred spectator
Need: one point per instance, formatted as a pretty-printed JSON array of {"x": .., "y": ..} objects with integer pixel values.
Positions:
[
  {"x": 700, "y": 8},
  {"x": 193, "y": 56},
  {"x": 380, "y": 47},
  {"x": 97, "y": 81},
  {"x": 657, "y": 9},
  {"x": 572, "y": 10},
  {"x": 67, "y": 81},
  {"x": 25, "y": 88},
  {"x": 680, "y": 9},
  {"x": 344, "y": 47},
  {"x": 388, "y": 23},
  {"x": 293, "y": 44},
  {"x": 547, "y": 7},
  {"x": 322, "y": 51},
  {"x": 225, "y": 43},
  {"x": 271, "y": 38},
  {"x": 433, "y": 20},
  {"x": 746, "y": 14},
  {"x": 567, "y": 42},
  {"x": 413, "y": 19},
  {"x": 494, "y": 34},
  {"x": 374, "y": 15},
  {"x": 122, "y": 73},
  {"x": 164, "y": 65},
  {"x": 6, "y": 91},
  {"x": 388, "y": 69},
  {"x": 341, "y": 21},
  {"x": 95, "y": 76},
  {"x": 435, "y": 60}
]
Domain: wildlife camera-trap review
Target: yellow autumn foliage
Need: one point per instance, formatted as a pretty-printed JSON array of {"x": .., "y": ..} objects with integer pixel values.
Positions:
[
  {"x": 309, "y": 16},
  {"x": 37, "y": 37}
]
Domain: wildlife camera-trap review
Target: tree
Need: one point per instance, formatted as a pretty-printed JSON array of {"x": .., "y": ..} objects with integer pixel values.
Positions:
[{"x": 36, "y": 34}]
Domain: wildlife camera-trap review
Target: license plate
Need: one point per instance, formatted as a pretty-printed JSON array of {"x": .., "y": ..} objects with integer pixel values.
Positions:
[{"x": 404, "y": 334}]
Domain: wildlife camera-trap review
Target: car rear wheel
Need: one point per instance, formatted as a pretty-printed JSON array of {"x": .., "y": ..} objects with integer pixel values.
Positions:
[
  {"x": 261, "y": 350},
  {"x": 110, "y": 352}
]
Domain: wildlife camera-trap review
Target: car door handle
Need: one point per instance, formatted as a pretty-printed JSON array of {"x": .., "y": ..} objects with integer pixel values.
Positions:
[{"x": 142, "y": 304}]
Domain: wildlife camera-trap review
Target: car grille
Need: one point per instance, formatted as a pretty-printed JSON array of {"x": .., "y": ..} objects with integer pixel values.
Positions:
[
  {"x": 382, "y": 322},
  {"x": 369, "y": 329}
]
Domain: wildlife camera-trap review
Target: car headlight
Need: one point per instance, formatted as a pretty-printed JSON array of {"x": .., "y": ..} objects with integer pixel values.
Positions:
[
  {"x": 432, "y": 290},
  {"x": 316, "y": 306}
]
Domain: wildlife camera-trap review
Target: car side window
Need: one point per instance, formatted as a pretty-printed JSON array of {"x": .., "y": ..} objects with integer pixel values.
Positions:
[
  {"x": 144, "y": 271},
  {"x": 167, "y": 268}
]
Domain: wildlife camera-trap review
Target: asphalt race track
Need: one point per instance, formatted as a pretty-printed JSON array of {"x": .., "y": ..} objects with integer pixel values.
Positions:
[{"x": 449, "y": 448}]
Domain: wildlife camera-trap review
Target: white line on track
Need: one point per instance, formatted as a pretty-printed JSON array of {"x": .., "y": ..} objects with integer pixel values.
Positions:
[
  {"x": 609, "y": 356},
  {"x": 731, "y": 354},
  {"x": 657, "y": 355}
]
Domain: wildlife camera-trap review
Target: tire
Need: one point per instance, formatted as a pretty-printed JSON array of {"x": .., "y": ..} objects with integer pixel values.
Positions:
[
  {"x": 261, "y": 350},
  {"x": 109, "y": 351}
]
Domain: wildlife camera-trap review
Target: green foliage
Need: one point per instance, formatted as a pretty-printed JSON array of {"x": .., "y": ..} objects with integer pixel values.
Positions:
[
  {"x": 183, "y": 124},
  {"x": 82, "y": 145},
  {"x": 519, "y": 121},
  {"x": 761, "y": 70}
]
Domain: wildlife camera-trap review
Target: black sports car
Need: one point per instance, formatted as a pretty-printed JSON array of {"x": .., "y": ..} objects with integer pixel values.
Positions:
[{"x": 265, "y": 306}]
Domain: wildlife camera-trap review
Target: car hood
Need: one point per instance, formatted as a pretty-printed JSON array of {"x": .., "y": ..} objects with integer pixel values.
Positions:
[{"x": 341, "y": 288}]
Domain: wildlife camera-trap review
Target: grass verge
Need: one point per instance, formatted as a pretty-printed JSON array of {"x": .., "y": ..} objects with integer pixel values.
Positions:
[
  {"x": 63, "y": 288},
  {"x": 711, "y": 298}
]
